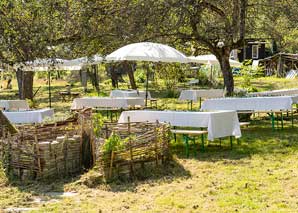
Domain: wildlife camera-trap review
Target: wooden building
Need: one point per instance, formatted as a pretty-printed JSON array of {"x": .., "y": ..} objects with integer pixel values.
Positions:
[
  {"x": 280, "y": 64},
  {"x": 254, "y": 50}
]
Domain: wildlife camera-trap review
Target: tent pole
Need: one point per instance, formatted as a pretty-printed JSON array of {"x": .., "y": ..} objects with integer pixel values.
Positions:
[
  {"x": 147, "y": 78},
  {"x": 50, "y": 97}
]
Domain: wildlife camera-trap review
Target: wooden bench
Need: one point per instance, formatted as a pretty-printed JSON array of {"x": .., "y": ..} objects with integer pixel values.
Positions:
[
  {"x": 153, "y": 101},
  {"x": 186, "y": 137},
  {"x": 70, "y": 95},
  {"x": 245, "y": 124}
]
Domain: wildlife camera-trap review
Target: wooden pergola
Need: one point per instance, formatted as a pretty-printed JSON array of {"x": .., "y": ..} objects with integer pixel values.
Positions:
[{"x": 280, "y": 64}]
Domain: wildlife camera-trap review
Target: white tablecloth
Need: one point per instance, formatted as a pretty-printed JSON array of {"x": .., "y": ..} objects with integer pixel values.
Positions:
[
  {"x": 194, "y": 95},
  {"x": 275, "y": 92},
  {"x": 129, "y": 93},
  {"x": 219, "y": 124},
  {"x": 275, "y": 103},
  {"x": 14, "y": 104},
  {"x": 32, "y": 116},
  {"x": 106, "y": 102}
]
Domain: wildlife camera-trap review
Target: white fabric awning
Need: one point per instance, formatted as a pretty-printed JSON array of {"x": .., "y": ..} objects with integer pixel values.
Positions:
[
  {"x": 51, "y": 64},
  {"x": 147, "y": 51}
]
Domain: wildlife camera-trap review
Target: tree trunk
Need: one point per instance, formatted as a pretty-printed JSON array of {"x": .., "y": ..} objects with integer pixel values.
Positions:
[
  {"x": 226, "y": 71},
  {"x": 93, "y": 74},
  {"x": 130, "y": 71},
  {"x": 25, "y": 84}
]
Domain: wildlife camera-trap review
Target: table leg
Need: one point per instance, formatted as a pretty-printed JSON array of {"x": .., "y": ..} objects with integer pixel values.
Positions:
[
  {"x": 185, "y": 137},
  {"x": 276, "y": 121},
  {"x": 238, "y": 141},
  {"x": 231, "y": 141},
  {"x": 292, "y": 118},
  {"x": 282, "y": 121},
  {"x": 272, "y": 120}
]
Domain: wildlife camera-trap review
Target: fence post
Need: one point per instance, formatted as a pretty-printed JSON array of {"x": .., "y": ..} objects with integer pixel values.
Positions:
[
  {"x": 156, "y": 142},
  {"x": 92, "y": 142},
  {"x": 9, "y": 152},
  {"x": 130, "y": 147},
  {"x": 37, "y": 150}
]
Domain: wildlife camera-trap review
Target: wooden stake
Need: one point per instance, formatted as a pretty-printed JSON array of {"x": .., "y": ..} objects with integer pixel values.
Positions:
[
  {"x": 111, "y": 164},
  {"x": 130, "y": 147},
  {"x": 155, "y": 143},
  {"x": 37, "y": 150}
]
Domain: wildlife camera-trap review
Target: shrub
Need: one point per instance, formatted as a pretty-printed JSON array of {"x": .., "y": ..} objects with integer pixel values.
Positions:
[
  {"x": 113, "y": 143},
  {"x": 97, "y": 123},
  {"x": 140, "y": 76}
]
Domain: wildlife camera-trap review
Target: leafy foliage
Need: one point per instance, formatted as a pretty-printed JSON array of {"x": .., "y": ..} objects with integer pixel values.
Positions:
[
  {"x": 98, "y": 122},
  {"x": 248, "y": 72},
  {"x": 113, "y": 143}
]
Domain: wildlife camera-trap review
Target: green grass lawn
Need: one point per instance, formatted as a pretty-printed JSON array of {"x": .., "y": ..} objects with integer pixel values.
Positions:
[{"x": 259, "y": 175}]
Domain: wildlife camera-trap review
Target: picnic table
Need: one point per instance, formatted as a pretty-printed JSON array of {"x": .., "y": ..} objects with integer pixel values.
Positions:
[
  {"x": 134, "y": 93},
  {"x": 287, "y": 92},
  {"x": 29, "y": 116},
  {"x": 129, "y": 93},
  {"x": 14, "y": 105},
  {"x": 107, "y": 102},
  {"x": 270, "y": 105},
  {"x": 197, "y": 95},
  {"x": 219, "y": 124}
]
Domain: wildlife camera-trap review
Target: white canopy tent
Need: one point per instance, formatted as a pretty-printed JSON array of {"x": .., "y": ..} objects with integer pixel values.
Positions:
[
  {"x": 211, "y": 60},
  {"x": 147, "y": 51},
  {"x": 59, "y": 64},
  {"x": 52, "y": 64}
]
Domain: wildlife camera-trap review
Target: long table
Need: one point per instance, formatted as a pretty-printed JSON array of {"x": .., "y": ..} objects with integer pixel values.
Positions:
[
  {"x": 275, "y": 92},
  {"x": 276, "y": 103},
  {"x": 270, "y": 105},
  {"x": 129, "y": 93},
  {"x": 107, "y": 102},
  {"x": 30, "y": 116},
  {"x": 14, "y": 105},
  {"x": 219, "y": 124}
]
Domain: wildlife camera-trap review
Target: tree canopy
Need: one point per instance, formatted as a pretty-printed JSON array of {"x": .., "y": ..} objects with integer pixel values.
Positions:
[{"x": 67, "y": 28}]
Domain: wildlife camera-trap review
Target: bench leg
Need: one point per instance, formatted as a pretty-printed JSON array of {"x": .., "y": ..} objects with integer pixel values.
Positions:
[
  {"x": 175, "y": 136},
  {"x": 203, "y": 145}
]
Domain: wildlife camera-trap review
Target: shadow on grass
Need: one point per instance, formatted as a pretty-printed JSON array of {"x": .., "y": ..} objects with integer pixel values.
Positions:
[
  {"x": 54, "y": 188},
  {"x": 166, "y": 173},
  {"x": 257, "y": 139}
]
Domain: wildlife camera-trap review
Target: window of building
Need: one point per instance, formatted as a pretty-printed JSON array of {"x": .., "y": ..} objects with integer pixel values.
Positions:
[{"x": 255, "y": 51}]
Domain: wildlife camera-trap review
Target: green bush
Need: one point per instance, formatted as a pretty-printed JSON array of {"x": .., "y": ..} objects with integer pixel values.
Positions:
[
  {"x": 203, "y": 78},
  {"x": 97, "y": 120},
  {"x": 248, "y": 72},
  {"x": 171, "y": 93},
  {"x": 140, "y": 76}
]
